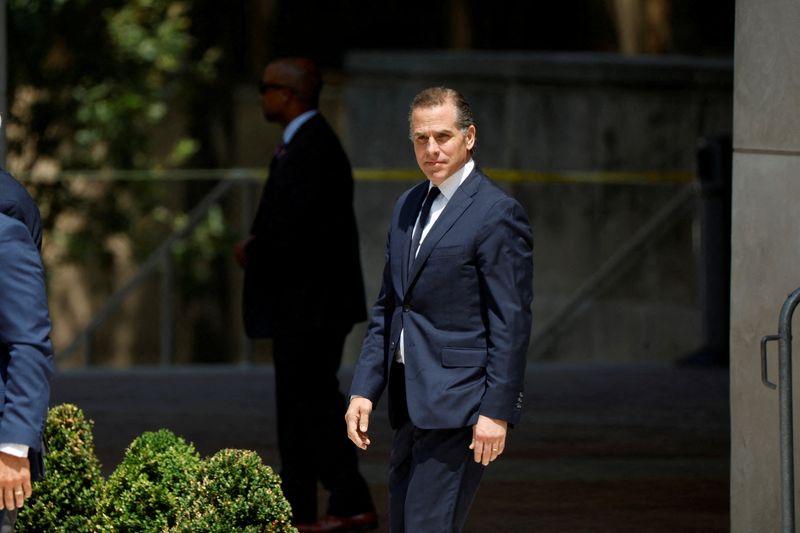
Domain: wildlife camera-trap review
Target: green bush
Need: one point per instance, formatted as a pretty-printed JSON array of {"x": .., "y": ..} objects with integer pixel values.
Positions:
[
  {"x": 236, "y": 493},
  {"x": 161, "y": 485},
  {"x": 66, "y": 500},
  {"x": 145, "y": 491}
]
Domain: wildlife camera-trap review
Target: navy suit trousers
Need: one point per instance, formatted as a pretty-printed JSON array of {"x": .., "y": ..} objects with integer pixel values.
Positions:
[
  {"x": 7, "y": 521},
  {"x": 433, "y": 478}
]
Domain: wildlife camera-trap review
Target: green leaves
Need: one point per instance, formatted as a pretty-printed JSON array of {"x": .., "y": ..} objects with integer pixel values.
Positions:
[
  {"x": 161, "y": 485},
  {"x": 152, "y": 32},
  {"x": 65, "y": 501},
  {"x": 236, "y": 492},
  {"x": 144, "y": 493},
  {"x": 93, "y": 78}
]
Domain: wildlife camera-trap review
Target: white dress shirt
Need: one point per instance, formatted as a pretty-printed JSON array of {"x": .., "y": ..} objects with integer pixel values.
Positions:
[
  {"x": 17, "y": 450},
  {"x": 292, "y": 127},
  {"x": 447, "y": 188}
]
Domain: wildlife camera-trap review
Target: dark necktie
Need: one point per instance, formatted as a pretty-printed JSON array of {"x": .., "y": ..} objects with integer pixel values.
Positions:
[
  {"x": 280, "y": 150},
  {"x": 424, "y": 214}
]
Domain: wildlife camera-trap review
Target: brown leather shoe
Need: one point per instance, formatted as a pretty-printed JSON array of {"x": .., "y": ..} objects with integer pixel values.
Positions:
[
  {"x": 331, "y": 523},
  {"x": 308, "y": 527}
]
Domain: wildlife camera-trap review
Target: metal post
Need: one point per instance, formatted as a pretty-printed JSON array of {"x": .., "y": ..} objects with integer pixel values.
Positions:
[
  {"x": 784, "y": 338},
  {"x": 88, "y": 336},
  {"x": 785, "y": 409},
  {"x": 248, "y": 191},
  {"x": 167, "y": 326},
  {"x": 714, "y": 163}
]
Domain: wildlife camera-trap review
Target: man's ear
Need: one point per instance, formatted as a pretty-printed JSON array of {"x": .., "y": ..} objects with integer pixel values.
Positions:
[{"x": 470, "y": 136}]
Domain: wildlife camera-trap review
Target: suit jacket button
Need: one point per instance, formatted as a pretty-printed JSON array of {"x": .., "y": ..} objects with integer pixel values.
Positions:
[{"x": 406, "y": 308}]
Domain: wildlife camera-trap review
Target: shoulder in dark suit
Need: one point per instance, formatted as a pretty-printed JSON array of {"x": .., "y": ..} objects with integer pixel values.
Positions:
[
  {"x": 26, "y": 355},
  {"x": 17, "y": 203},
  {"x": 303, "y": 261}
]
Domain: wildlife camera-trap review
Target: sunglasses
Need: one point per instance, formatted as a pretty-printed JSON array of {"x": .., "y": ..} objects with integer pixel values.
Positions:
[{"x": 264, "y": 87}]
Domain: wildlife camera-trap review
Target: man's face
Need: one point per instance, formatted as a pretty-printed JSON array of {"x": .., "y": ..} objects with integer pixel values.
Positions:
[
  {"x": 274, "y": 93},
  {"x": 441, "y": 148}
]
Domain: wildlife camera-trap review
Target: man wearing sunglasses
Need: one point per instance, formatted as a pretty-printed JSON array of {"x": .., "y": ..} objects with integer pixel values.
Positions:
[{"x": 303, "y": 288}]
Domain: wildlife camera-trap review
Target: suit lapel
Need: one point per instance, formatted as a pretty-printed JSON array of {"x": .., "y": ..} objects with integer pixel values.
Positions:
[
  {"x": 401, "y": 240},
  {"x": 459, "y": 203}
]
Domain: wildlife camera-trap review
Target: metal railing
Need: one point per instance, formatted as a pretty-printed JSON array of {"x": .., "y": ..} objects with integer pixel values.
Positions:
[
  {"x": 161, "y": 262},
  {"x": 672, "y": 212},
  {"x": 784, "y": 386},
  {"x": 161, "y": 258}
]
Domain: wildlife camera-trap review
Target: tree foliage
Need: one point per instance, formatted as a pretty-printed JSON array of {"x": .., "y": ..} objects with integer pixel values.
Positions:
[
  {"x": 94, "y": 78},
  {"x": 93, "y": 85}
]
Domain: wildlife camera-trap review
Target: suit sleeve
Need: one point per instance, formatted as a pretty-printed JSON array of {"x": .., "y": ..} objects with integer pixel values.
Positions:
[
  {"x": 25, "y": 331},
  {"x": 371, "y": 372},
  {"x": 505, "y": 264}
]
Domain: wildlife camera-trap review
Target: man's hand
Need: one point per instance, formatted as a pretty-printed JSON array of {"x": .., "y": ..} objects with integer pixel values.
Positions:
[
  {"x": 240, "y": 251},
  {"x": 357, "y": 419},
  {"x": 488, "y": 439},
  {"x": 15, "y": 481}
]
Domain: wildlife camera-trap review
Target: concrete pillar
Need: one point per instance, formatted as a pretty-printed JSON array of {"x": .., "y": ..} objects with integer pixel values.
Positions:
[{"x": 765, "y": 244}]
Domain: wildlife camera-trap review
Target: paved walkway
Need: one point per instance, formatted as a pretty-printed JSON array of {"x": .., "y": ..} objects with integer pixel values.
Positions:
[{"x": 601, "y": 448}]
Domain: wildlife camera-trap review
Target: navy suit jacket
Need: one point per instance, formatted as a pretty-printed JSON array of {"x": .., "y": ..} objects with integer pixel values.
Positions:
[
  {"x": 464, "y": 307},
  {"x": 26, "y": 354},
  {"x": 17, "y": 203},
  {"x": 303, "y": 265}
]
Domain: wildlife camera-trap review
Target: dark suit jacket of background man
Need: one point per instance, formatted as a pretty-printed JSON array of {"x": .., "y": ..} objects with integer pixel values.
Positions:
[
  {"x": 26, "y": 355},
  {"x": 303, "y": 267},
  {"x": 303, "y": 287},
  {"x": 464, "y": 309},
  {"x": 17, "y": 203}
]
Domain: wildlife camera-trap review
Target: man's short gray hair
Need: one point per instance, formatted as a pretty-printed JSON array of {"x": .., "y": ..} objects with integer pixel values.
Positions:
[{"x": 436, "y": 96}]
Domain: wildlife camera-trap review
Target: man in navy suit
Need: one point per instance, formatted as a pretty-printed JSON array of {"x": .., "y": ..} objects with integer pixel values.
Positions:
[
  {"x": 26, "y": 365},
  {"x": 303, "y": 288},
  {"x": 449, "y": 332}
]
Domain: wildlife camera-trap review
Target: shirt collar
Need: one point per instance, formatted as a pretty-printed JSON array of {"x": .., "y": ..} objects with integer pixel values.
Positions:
[
  {"x": 294, "y": 125},
  {"x": 448, "y": 187}
]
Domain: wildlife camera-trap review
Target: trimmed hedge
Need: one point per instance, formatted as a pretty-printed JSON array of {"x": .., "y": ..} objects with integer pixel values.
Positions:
[
  {"x": 161, "y": 485},
  {"x": 66, "y": 500},
  {"x": 236, "y": 493},
  {"x": 145, "y": 491}
]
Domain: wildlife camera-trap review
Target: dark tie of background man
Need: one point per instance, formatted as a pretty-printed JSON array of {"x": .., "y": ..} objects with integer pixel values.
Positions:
[{"x": 424, "y": 214}]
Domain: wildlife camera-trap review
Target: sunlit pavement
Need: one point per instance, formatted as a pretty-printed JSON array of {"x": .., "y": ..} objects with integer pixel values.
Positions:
[{"x": 611, "y": 448}]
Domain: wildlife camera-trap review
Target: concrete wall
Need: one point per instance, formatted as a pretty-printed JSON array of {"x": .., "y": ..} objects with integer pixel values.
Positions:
[
  {"x": 765, "y": 248},
  {"x": 558, "y": 113},
  {"x": 545, "y": 111},
  {"x": 548, "y": 113}
]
